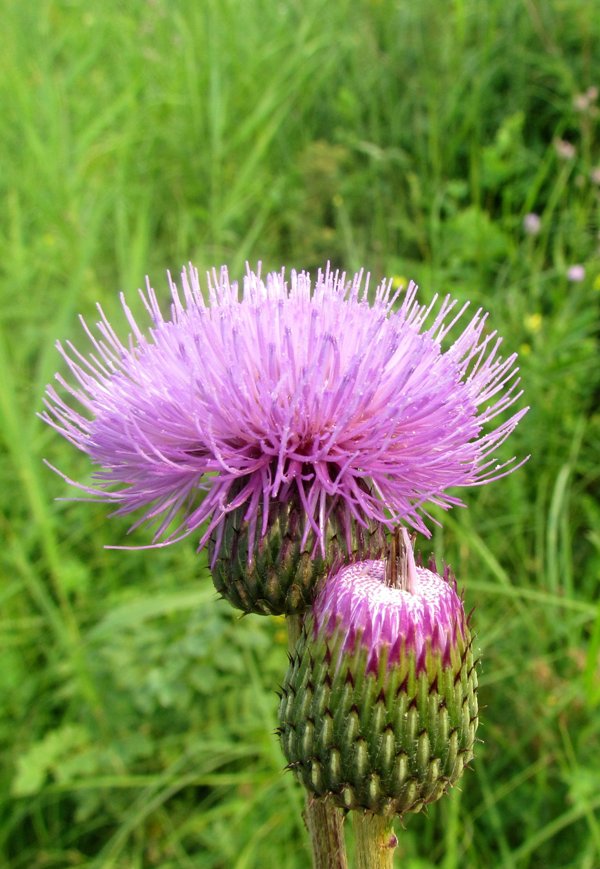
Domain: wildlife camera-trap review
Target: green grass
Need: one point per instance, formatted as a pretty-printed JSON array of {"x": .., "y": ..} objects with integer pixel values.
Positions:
[{"x": 138, "y": 712}]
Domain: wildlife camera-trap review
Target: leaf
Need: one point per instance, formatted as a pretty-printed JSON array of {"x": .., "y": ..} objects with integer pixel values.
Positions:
[{"x": 42, "y": 758}]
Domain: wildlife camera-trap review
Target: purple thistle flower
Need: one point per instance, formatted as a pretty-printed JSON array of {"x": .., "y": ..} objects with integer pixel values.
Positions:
[
  {"x": 532, "y": 224},
  {"x": 576, "y": 273},
  {"x": 565, "y": 150},
  {"x": 379, "y": 706},
  {"x": 285, "y": 390},
  {"x": 389, "y": 622}
]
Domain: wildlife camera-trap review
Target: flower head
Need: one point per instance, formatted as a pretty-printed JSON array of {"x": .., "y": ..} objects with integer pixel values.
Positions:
[
  {"x": 280, "y": 391},
  {"x": 576, "y": 273},
  {"x": 379, "y": 704},
  {"x": 584, "y": 102},
  {"x": 388, "y": 621},
  {"x": 565, "y": 150},
  {"x": 532, "y": 224}
]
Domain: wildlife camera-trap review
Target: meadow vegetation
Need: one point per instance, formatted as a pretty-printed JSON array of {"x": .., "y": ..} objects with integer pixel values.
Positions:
[{"x": 409, "y": 138}]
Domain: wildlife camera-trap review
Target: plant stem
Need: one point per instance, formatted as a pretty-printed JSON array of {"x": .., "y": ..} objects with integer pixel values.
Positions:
[
  {"x": 324, "y": 821},
  {"x": 375, "y": 841}
]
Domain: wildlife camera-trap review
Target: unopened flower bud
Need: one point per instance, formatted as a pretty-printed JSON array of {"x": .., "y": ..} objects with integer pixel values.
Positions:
[{"x": 379, "y": 704}]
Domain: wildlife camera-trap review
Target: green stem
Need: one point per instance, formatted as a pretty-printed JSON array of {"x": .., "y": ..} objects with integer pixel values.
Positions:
[
  {"x": 324, "y": 821},
  {"x": 375, "y": 841}
]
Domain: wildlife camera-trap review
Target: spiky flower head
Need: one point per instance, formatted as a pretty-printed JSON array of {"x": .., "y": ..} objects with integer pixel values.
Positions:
[
  {"x": 379, "y": 705},
  {"x": 285, "y": 397}
]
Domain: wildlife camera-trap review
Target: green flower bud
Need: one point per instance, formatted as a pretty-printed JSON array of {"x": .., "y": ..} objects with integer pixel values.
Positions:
[
  {"x": 279, "y": 572},
  {"x": 379, "y": 705}
]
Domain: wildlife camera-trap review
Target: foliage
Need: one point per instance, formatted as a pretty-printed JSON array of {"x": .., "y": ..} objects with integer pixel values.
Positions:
[{"x": 411, "y": 138}]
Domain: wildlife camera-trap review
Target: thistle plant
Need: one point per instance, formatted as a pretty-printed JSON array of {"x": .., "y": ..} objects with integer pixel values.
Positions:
[
  {"x": 378, "y": 708},
  {"x": 293, "y": 426}
]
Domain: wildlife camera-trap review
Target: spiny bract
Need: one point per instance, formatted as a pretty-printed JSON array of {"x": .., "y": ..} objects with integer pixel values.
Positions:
[{"x": 379, "y": 705}]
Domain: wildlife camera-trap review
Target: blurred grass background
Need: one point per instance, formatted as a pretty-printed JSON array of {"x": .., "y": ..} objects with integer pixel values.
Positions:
[{"x": 137, "y": 713}]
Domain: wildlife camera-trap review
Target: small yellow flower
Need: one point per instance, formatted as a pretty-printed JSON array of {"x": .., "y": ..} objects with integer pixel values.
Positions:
[
  {"x": 399, "y": 281},
  {"x": 596, "y": 284},
  {"x": 533, "y": 323},
  {"x": 281, "y": 634},
  {"x": 525, "y": 349}
]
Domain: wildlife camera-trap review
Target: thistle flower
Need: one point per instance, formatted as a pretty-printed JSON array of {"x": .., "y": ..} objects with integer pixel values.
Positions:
[
  {"x": 285, "y": 409},
  {"x": 576, "y": 273},
  {"x": 379, "y": 705},
  {"x": 565, "y": 150},
  {"x": 532, "y": 224}
]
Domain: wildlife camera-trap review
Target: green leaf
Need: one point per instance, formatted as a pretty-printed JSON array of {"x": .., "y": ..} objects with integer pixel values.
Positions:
[{"x": 44, "y": 756}]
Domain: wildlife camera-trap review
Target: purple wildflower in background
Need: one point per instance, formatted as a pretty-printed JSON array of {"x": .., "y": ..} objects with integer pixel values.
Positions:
[
  {"x": 286, "y": 390},
  {"x": 532, "y": 224},
  {"x": 564, "y": 149},
  {"x": 584, "y": 102},
  {"x": 576, "y": 273}
]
